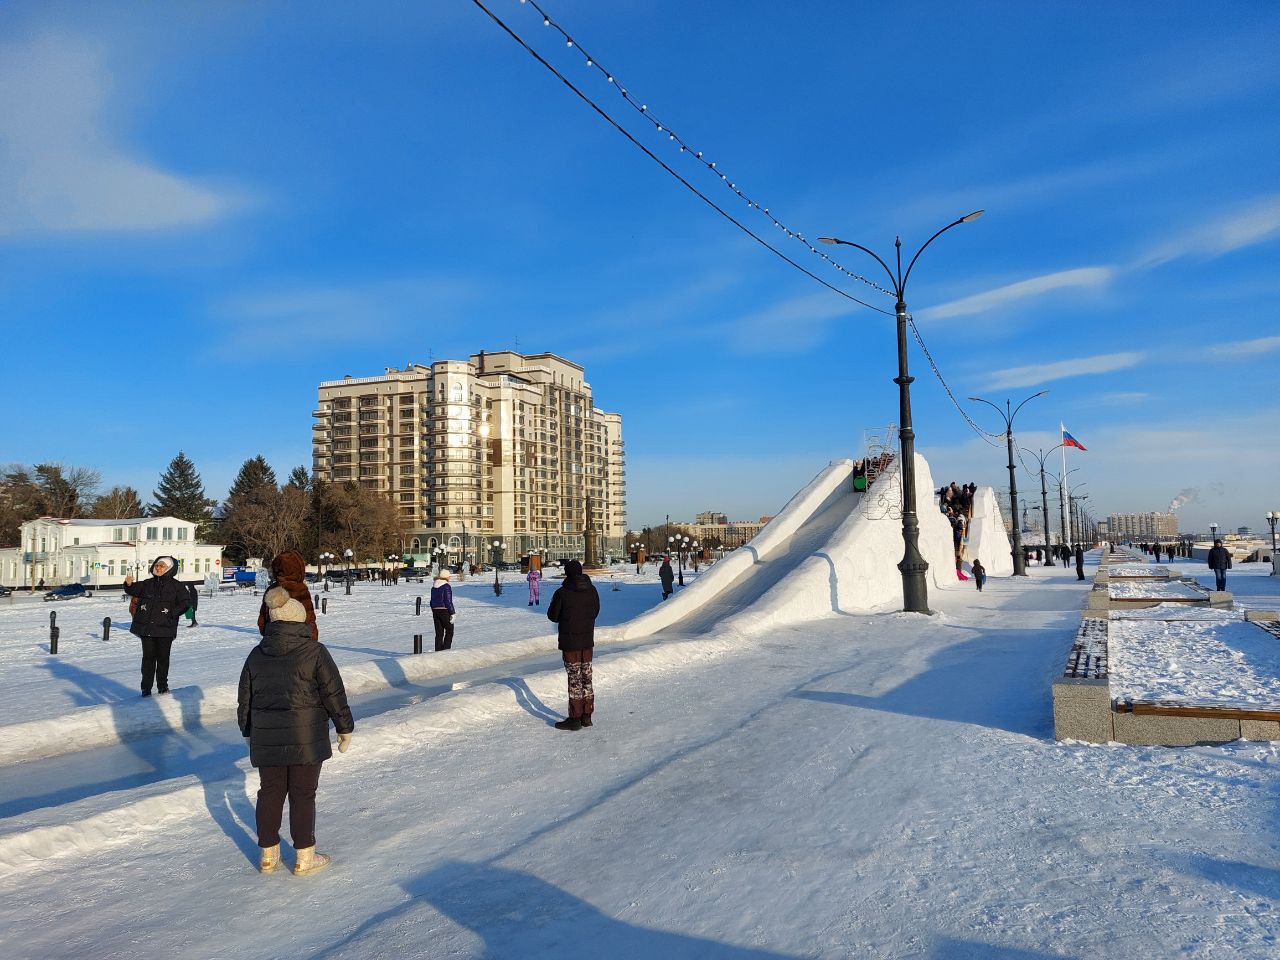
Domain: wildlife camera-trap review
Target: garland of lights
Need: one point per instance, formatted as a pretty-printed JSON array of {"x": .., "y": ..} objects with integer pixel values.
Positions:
[
  {"x": 686, "y": 148},
  {"x": 643, "y": 109}
]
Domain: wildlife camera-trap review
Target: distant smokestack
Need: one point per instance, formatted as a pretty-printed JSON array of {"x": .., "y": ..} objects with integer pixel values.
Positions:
[{"x": 482, "y": 361}]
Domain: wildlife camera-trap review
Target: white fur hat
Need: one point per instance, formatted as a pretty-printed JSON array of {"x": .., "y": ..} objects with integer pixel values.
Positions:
[
  {"x": 444, "y": 574},
  {"x": 281, "y": 606}
]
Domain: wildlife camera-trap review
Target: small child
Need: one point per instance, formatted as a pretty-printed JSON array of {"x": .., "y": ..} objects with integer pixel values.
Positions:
[
  {"x": 979, "y": 573},
  {"x": 290, "y": 689},
  {"x": 535, "y": 586}
]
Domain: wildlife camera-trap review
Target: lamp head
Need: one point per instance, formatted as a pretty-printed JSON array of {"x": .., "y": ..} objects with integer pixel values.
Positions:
[
  {"x": 972, "y": 217},
  {"x": 830, "y": 241}
]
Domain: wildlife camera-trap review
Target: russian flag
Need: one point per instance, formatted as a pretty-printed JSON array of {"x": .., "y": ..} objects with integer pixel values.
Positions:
[{"x": 1069, "y": 441}]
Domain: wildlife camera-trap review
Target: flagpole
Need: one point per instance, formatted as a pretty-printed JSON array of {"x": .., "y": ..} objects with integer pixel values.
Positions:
[{"x": 1063, "y": 506}]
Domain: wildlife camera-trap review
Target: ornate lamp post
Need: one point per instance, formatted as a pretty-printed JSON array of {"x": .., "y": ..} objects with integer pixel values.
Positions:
[
  {"x": 636, "y": 548},
  {"x": 347, "y": 556},
  {"x": 1272, "y": 517},
  {"x": 1213, "y": 532},
  {"x": 1019, "y": 559},
  {"x": 498, "y": 549},
  {"x": 915, "y": 591}
]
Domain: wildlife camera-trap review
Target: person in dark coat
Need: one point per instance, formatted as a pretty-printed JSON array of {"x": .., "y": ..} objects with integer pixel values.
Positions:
[
  {"x": 667, "y": 576},
  {"x": 193, "y": 595},
  {"x": 442, "y": 611},
  {"x": 289, "y": 570},
  {"x": 1219, "y": 563},
  {"x": 1079, "y": 561},
  {"x": 574, "y": 608},
  {"x": 161, "y": 600},
  {"x": 979, "y": 574},
  {"x": 290, "y": 689}
]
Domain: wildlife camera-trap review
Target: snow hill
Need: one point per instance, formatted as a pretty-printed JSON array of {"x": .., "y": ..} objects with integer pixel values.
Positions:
[{"x": 988, "y": 540}]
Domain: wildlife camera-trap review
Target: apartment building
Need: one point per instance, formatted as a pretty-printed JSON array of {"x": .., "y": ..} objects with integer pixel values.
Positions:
[
  {"x": 711, "y": 527},
  {"x": 501, "y": 446},
  {"x": 1130, "y": 526}
]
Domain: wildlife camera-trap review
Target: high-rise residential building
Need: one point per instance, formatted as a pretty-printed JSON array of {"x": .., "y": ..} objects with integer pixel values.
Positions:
[
  {"x": 499, "y": 447},
  {"x": 1122, "y": 526}
]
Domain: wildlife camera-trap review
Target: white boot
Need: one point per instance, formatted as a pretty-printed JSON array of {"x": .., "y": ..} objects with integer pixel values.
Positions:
[
  {"x": 309, "y": 862},
  {"x": 270, "y": 858}
]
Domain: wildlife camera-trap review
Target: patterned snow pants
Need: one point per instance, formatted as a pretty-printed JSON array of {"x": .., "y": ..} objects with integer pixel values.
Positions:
[{"x": 582, "y": 696}]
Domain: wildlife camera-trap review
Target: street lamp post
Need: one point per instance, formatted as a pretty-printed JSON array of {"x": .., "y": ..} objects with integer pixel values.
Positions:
[
  {"x": 637, "y": 547},
  {"x": 1019, "y": 559},
  {"x": 1213, "y": 531},
  {"x": 1272, "y": 517},
  {"x": 915, "y": 590},
  {"x": 499, "y": 549},
  {"x": 1041, "y": 456},
  {"x": 347, "y": 556}
]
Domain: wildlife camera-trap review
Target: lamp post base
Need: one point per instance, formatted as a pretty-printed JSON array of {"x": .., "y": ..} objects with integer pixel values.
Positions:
[{"x": 915, "y": 589}]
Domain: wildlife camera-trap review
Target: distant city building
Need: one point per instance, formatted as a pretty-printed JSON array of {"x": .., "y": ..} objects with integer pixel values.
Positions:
[
  {"x": 498, "y": 447},
  {"x": 728, "y": 534},
  {"x": 100, "y": 553},
  {"x": 710, "y": 516},
  {"x": 1243, "y": 532},
  {"x": 1131, "y": 526}
]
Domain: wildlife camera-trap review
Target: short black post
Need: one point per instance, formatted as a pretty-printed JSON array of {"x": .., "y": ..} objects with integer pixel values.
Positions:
[
  {"x": 106, "y": 629},
  {"x": 417, "y": 607},
  {"x": 326, "y": 584},
  {"x": 324, "y": 605},
  {"x": 317, "y": 598},
  {"x": 53, "y": 631},
  {"x": 417, "y": 643}
]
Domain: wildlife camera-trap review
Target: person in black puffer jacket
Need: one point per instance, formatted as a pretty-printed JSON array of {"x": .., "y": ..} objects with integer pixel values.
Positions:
[
  {"x": 158, "y": 603},
  {"x": 574, "y": 607},
  {"x": 290, "y": 689}
]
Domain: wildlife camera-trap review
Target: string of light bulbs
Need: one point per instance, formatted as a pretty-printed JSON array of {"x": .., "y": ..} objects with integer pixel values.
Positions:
[
  {"x": 667, "y": 167},
  {"x": 686, "y": 148}
]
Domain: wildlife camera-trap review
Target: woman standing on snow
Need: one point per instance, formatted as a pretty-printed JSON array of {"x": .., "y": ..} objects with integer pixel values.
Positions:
[
  {"x": 290, "y": 689},
  {"x": 535, "y": 585},
  {"x": 574, "y": 608},
  {"x": 442, "y": 612}
]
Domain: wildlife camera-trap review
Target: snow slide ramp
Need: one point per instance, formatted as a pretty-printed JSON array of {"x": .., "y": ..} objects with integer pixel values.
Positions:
[
  {"x": 856, "y": 569},
  {"x": 988, "y": 540},
  {"x": 804, "y": 524}
]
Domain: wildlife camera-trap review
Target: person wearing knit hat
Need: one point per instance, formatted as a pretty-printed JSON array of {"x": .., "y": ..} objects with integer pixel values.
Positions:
[
  {"x": 289, "y": 570},
  {"x": 442, "y": 611},
  {"x": 290, "y": 689}
]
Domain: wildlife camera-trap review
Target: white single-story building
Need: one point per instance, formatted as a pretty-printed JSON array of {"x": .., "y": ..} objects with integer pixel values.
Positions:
[{"x": 100, "y": 553}]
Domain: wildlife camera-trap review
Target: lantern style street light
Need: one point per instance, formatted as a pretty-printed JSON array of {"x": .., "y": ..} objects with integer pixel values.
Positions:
[
  {"x": 913, "y": 566},
  {"x": 1272, "y": 517},
  {"x": 347, "y": 556}
]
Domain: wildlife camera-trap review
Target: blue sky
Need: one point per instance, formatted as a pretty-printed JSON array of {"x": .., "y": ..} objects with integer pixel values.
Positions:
[{"x": 207, "y": 208}]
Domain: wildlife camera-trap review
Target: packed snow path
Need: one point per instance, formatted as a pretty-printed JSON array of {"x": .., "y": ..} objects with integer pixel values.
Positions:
[{"x": 881, "y": 786}]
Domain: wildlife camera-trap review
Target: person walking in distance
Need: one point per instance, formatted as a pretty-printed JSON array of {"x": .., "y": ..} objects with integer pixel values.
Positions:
[
  {"x": 535, "y": 586},
  {"x": 979, "y": 574},
  {"x": 667, "y": 576},
  {"x": 290, "y": 689},
  {"x": 1079, "y": 561},
  {"x": 1219, "y": 563},
  {"x": 160, "y": 601},
  {"x": 193, "y": 595},
  {"x": 442, "y": 612},
  {"x": 574, "y": 608}
]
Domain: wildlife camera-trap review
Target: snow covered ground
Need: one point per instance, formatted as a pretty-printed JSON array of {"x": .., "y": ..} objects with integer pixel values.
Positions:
[
  {"x": 1206, "y": 660},
  {"x": 858, "y": 786},
  {"x": 374, "y": 622},
  {"x": 1154, "y": 590}
]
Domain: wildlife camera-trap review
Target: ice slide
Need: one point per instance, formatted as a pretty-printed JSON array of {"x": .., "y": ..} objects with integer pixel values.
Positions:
[
  {"x": 987, "y": 539},
  {"x": 830, "y": 550}
]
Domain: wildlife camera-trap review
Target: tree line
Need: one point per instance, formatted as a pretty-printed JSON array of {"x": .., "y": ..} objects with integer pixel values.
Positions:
[{"x": 259, "y": 518}]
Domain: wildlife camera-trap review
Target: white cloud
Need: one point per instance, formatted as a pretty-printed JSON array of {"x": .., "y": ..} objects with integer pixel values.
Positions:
[
  {"x": 1036, "y": 374},
  {"x": 1243, "y": 349},
  {"x": 1010, "y": 293},
  {"x": 63, "y": 170},
  {"x": 1251, "y": 224}
]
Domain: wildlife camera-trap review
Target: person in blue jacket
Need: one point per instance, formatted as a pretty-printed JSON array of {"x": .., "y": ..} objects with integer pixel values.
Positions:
[{"x": 442, "y": 611}]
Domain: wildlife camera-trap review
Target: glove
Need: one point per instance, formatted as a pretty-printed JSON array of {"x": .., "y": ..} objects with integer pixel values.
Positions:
[
  {"x": 344, "y": 741},
  {"x": 453, "y": 617}
]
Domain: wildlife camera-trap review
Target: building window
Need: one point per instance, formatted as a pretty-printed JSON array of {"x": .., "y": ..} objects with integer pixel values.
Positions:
[
  {"x": 182, "y": 533},
  {"x": 111, "y": 568},
  {"x": 153, "y": 533},
  {"x": 117, "y": 534},
  {"x": 168, "y": 533},
  {"x": 133, "y": 533}
]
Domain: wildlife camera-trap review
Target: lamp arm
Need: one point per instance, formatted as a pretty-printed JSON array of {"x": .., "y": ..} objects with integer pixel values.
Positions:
[
  {"x": 926, "y": 244},
  {"x": 850, "y": 243}
]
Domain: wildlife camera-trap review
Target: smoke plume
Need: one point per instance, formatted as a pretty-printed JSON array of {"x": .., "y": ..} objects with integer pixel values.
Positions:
[{"x": 1189, "y": 495}]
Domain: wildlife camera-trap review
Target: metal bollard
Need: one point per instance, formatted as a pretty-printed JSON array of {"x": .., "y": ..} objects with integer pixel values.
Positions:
[
  {"x": 317, "y": 598},
  {"x": 106, "y": 629},
  {"x": 53, "y": 631},
  {"x": 326, "y": 585},
  {"x": 324, "y": 605},
  {"x": 417, "y": 607},
  {"x": 417, "y": 643}
]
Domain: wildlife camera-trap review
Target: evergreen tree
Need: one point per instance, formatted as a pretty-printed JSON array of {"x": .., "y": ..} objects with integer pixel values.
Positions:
[
  {"x": 300, "y": 479},
  {"x": 180, "y": 494},
  {"x": 254, "y": 473}
]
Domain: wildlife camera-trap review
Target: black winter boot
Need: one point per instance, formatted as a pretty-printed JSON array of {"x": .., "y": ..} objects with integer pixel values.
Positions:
[
  {"x": 569, "y": 723},
  {"x": 585, "y": 720}
]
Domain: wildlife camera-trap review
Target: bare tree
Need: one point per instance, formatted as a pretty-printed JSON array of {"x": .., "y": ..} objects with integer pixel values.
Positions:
[
  {"x": 67, "y": 491},
  {"x": 118, "y": 503}
]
